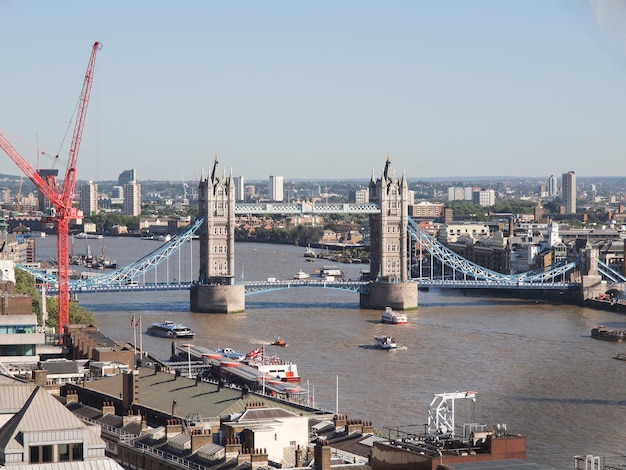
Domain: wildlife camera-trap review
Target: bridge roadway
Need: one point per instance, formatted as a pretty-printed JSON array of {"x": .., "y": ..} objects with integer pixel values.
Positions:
[{"x": 257, "y": 287}]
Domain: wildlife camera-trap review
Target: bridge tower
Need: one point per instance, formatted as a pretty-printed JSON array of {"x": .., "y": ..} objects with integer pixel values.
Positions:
[
  {"x": 590, "y": 278},
  {"x": 389, "y": 258},
  {"x": 216, "y": 291}
]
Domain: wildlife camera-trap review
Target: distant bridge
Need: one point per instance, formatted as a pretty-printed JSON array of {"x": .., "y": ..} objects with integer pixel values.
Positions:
[{"x": 455, "y": 271}]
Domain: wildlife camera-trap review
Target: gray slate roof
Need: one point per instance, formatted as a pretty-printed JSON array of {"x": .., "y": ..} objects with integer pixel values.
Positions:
[{"x": 158, "y": 391}]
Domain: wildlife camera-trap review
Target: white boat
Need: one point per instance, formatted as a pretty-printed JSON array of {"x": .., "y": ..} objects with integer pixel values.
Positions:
[
  {"x": 83, "y": 235},
  {"x": 331, "y": 271},
  {"x": 392, "y": 317},
  {"x": 169, "y": 329},
  {"x": 385, "y": 342},
  {"x": 309, "y": 252},
  {"x": 272, "y": 365},
  {"x": 301, "y": 275}
]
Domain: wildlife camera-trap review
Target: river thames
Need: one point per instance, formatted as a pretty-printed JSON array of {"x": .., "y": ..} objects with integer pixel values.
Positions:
[{"x": 533, "y": 365}]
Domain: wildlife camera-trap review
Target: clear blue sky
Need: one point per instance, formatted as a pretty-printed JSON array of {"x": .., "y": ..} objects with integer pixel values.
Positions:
[{"x": 319, "y": 89}]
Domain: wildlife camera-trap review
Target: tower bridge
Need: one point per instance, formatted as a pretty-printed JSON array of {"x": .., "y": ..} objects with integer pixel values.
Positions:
[{"x": 389, "y": 283}]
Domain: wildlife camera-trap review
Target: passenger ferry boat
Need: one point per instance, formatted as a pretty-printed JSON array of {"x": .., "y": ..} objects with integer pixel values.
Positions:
[
  {"x": 392, "y": 317},
  {"x": 385, "y": 342},
  {"x": 300, "y": 275},
  {"x": 272, "y": 365},
  {"x": 169, "y": 329},
  {"x": 255, "y": 363}
]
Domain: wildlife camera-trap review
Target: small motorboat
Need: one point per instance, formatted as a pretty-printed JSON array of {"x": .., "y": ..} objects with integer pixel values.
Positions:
[
  {"x": 279, "y": 342},
  {"x": 385, "y": 342}
]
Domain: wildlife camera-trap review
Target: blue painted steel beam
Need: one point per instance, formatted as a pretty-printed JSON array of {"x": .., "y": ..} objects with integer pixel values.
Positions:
[{"x": 467, "y": 268}]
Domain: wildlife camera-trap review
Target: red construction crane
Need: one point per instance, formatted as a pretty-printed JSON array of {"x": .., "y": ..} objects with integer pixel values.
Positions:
[{"x": 61, "y": 198}]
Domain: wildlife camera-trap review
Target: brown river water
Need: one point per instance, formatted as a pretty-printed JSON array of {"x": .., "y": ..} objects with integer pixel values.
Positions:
[{"x": 533, "y": 366}]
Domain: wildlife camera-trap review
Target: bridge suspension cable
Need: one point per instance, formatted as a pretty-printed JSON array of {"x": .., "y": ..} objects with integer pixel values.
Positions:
[
  {"x": 127, "y": 273},
  {"x": 457, "y": 263}
]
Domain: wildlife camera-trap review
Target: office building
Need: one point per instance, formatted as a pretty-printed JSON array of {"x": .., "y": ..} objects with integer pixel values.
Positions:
[
  {"x": 553, "y": 186},
  {"x": 239, "y": 189},
  {"x": 276, "y": 188},
  {"x": 568, "y": 185},
  {"x": 88, "y": 198},
  {"x": 126, "y": 177},
  {"x": 484, "y": 197},
  {"x": 456, "y": 193},
  {"x": 360, "y": 196},
  {"x": 132, "y": 198}
]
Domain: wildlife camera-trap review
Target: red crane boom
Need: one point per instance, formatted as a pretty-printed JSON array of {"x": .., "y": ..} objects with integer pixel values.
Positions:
[{"x": 61, "y": 199}]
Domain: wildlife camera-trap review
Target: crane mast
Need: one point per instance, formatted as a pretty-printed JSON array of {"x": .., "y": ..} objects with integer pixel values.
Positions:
[{"x": 61, "y": 198}]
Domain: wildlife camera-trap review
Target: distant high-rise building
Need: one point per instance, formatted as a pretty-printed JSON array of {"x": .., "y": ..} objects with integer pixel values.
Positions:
[
  {"x": 88, "y": 198},
  {"x": 126, "y": 177},
  {"x": 239, "y": 189},
  {"x": 484, "y": 197},
  {"x": 360, "y": 196},
  {"x": 553, "y": 186},
  {"x": 456, "y": 193},
  {"x": 44, "y": 204},
  {"x": 411, "y": 197},
  {"x": 250, "y": 192},
  {"x": 276, "y": 188},
  {"x": 132, "y": 198},
  {"x": 117, "y": 193},
  {"x": 568, "y": 184}
]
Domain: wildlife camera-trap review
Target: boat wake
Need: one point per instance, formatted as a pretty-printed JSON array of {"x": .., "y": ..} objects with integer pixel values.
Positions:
[{"x": 260, "y": 341}]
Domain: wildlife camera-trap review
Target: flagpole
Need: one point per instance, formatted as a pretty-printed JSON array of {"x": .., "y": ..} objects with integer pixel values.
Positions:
[
  {"x": 263, "y": 355},
  {"x": 337, "y": 397},
  {"x": 189, "y": 358},
  {"x": 140, "y": 338},
  {"x": 132, "y": 321}
]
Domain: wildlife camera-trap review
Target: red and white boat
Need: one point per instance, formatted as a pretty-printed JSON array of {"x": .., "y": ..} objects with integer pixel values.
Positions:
[
  {"x": 272, "y": 365},
  {"x": 392, "y": 317}
]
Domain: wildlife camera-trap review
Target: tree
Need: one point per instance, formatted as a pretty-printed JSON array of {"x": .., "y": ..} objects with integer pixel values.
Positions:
[
  {"x": 25, "y": 283},
  {"x": 78, "y": 314}
]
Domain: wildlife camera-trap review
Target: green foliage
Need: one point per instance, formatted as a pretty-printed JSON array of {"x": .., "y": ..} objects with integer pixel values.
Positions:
[
  {"x": 514, "y": 206},
  {"x": 25, "y": 283},
  {"x": 552, "y": 207},
  {"x": 465, "y": 209},
  {"x": 78, "y": 314},
  {"x": 104, "y": 222},
  {"x": 307, "y": 234}
]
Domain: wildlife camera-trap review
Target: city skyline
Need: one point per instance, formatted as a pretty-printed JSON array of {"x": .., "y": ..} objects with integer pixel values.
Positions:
[{"x": 447, "y": 88}]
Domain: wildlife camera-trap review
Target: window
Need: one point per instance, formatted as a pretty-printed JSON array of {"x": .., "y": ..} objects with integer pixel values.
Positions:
[
  {"x": 41, "y": 454},
  {"x": 66, "y": 453}
]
